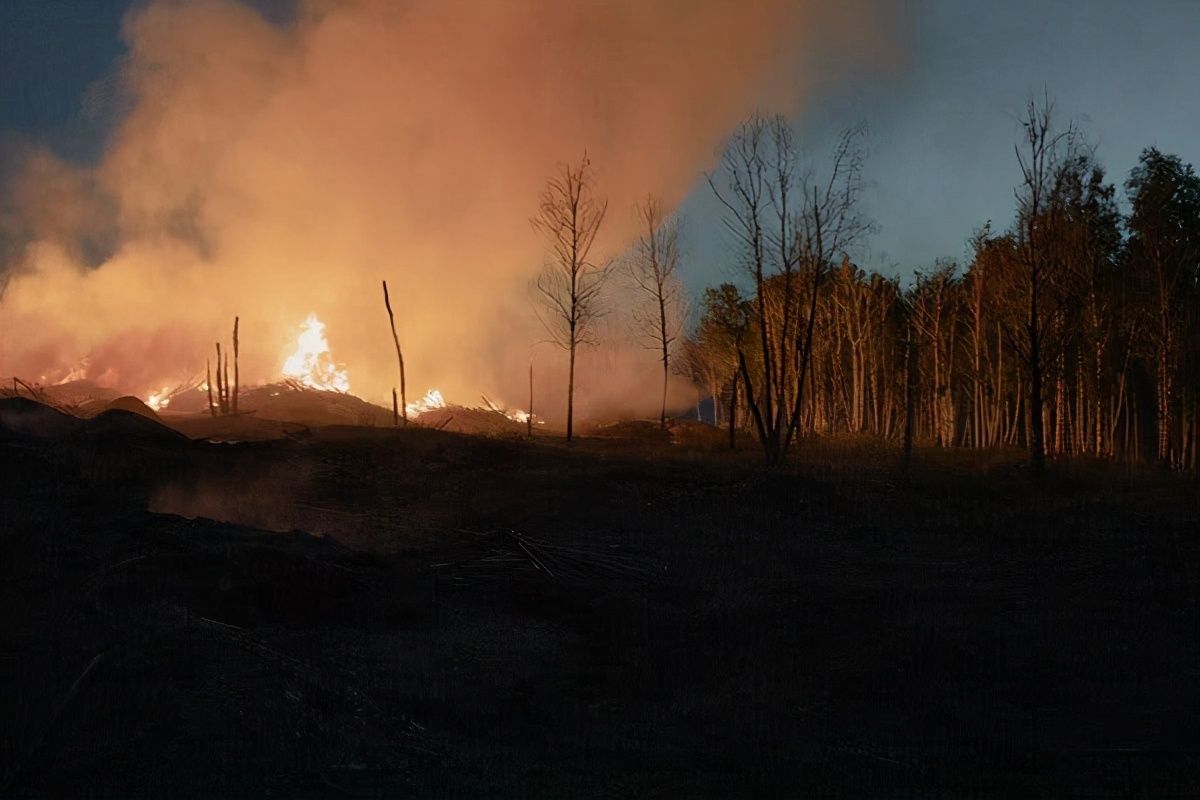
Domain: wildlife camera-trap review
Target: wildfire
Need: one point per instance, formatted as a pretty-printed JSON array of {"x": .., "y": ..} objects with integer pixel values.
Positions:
[
  {"x": 312, "y": 363},
  {"x": 515, "y": 414},
  {"x": 76, "y": 373},
  {"x": 160, "y": 399},
  {"x": 432, "y": 399}
]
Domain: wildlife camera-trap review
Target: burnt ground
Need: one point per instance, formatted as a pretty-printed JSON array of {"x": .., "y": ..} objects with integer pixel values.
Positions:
[{"x": 376, "y": 613}]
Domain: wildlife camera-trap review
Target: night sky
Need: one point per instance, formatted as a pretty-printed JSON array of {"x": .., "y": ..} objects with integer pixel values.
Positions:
[{"x": 941, "y": 123}]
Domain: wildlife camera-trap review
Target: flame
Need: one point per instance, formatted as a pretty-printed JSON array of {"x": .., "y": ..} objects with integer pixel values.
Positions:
[
  {"x": 76, "y": 373},
  {"x": 312, "y": 363},
  {"x": 432, "y": 399},
  {"x": 160, "y": 399},
  {"x": 515, "y": 414}
]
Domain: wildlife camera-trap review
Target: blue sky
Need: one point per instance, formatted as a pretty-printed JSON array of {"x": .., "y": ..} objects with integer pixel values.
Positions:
[{"x": 941, "y": 127}]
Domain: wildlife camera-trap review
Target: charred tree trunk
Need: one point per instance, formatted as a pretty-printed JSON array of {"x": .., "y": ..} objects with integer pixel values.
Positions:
[
  {"x": 212, "y": 410},
  {"x": 220, "y": 385},
  {"x": 399, "y": 355},
  {"x": 236, "y": 375}
]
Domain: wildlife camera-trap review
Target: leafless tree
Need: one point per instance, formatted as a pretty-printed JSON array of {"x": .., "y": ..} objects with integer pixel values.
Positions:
[
  {"x": 1042, "y": 153},
  {"x": 227, "y": 391},
  {"x": 653, "y": 268},
  {"x": 399, "y": 408},
  {"x": 571, "y": 283},
  {"x": 790, "y": 226}
]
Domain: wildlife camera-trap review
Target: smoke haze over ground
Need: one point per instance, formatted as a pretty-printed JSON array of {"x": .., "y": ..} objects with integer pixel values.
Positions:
[{"x": 272, "y": 171}]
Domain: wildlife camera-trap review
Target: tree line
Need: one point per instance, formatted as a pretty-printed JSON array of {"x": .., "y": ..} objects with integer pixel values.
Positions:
[{"x": 1074, "y": 330}]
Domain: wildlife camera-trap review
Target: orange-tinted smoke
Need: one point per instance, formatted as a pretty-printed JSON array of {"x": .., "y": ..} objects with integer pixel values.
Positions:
[{"x": 271, "y": 172}]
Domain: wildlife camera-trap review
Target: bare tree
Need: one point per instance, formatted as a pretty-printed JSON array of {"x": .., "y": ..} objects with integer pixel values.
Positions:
[
  {"x": 227, "y": 390},
  {"x": 236, "y": 373},
  {"x": 1075, "y": 331},
  {"x": 570, "y": 284},
  {"x": 788, "y": 244},
  {"x": 400, "y": 407},
  {"x": 1042, "y": 153},
  {"x": 654, "y": 270}
]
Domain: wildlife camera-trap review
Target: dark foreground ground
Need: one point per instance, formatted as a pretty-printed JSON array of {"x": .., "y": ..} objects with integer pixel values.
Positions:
[{"x": 467, "y": 617}]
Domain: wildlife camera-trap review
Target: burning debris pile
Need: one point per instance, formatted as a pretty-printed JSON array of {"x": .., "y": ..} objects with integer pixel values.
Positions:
[
  {"x": 312, "y": 363},
  {"x": 79, "y": 398},
  {"x": 477, "y": 421},
  {"x": 313, "y": 391},
  {"x": 270, "y": 411}
]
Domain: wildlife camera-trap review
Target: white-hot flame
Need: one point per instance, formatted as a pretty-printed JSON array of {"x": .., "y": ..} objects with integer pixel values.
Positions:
[
  {"x": 432, "y": 399},
  {"x": 312, "y": 362},
  {"x": 160, "y": 399}
]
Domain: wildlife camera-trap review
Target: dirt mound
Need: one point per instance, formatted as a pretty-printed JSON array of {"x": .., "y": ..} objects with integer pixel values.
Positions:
[
  {"x": 272, "y": 412},
  {"x": 21, "y": 418},
  {"x": 77, "y": 394},
  {"x": 476, "y": 421},
  {"x": 311, "y": 407},
  {"x": 118, "y": 423},
  {"x": 124, "y": 403},
  {"x": 228, "y": 428}
]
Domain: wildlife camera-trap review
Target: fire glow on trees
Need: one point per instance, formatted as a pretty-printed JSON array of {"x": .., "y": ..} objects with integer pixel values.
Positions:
[
  {"x": 312, "y": 362},
  {"x": 302, "y": 158}
]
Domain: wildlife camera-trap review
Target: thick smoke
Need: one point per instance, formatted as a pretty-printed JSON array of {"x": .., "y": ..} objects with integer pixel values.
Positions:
[{"x": 271, "y": 171}]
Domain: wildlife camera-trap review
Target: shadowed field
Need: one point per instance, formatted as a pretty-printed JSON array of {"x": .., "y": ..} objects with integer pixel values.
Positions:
[{"x": 378, "y": 613}]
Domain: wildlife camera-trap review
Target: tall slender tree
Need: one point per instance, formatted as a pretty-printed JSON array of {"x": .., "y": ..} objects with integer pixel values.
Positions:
[
  {"x": 1165, "y": 246},
  {"x": 653, "y": 268},
  {"x": 1041, "y": 150},
  {"x": 571, "y": 283}
]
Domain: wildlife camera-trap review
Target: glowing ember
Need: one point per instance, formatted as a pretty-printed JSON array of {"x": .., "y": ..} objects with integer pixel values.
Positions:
[
  {"x": 312, "y": 363},
  {"x": 432, "y": 399},
  {"x": 160, "y": 399}
]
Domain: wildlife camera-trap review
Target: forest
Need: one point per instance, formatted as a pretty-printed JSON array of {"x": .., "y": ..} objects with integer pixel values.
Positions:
[{"x": 1072, "y": 330}]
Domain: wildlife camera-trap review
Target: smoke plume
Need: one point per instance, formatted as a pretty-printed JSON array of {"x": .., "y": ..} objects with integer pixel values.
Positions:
[{"x": 272, "y": 171}]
